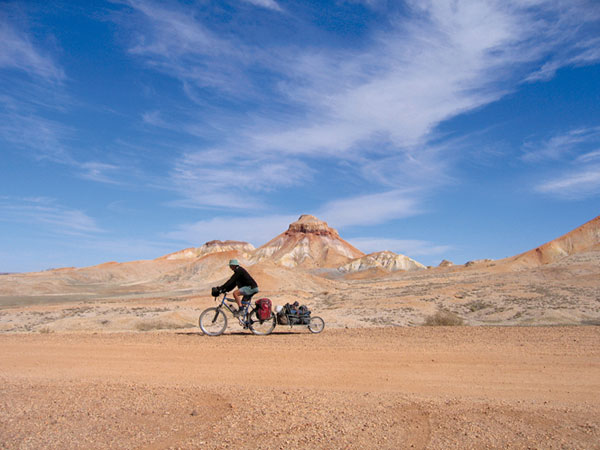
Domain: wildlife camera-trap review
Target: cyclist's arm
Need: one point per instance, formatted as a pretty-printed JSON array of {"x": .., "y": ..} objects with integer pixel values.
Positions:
[{"x": 229, "y": 284}]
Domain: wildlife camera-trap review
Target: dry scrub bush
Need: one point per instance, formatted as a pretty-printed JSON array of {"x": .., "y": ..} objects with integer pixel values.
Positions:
[
  {"x": 478, "y": 305},
  {"x": 443, "y": 318},
  {"x": 591, "y": 322}
]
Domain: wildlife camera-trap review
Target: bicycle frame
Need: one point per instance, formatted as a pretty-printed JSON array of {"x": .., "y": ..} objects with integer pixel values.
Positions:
[{"x": 243, "y": 319}]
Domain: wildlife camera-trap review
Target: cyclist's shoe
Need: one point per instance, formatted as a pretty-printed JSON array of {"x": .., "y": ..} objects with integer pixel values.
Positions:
[{"x": 239, "y": 313}]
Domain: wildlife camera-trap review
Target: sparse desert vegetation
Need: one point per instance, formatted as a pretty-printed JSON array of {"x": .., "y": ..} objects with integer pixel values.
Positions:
[{"x": 443, "y": 318}]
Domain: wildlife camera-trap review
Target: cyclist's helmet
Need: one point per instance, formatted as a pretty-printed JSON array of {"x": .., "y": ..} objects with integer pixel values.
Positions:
[{"x": 234, "y": 262}]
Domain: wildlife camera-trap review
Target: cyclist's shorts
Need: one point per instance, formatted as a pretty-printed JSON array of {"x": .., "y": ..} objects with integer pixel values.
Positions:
[{"x": 247, "y": 290}]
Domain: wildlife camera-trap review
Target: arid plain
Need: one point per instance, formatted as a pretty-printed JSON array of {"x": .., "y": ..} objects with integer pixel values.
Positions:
[{"x": 111, "y": 355}]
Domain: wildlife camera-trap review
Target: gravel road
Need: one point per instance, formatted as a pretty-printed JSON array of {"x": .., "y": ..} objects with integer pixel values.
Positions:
[{"x": 425, "y": 387}]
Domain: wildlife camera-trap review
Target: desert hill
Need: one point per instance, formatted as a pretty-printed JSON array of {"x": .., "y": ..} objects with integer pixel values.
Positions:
[
  {"x": 581, "y": 239},
  {"x": 309, "y": 243}
]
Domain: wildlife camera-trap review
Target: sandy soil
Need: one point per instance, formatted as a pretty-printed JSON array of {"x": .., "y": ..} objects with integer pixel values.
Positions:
[{"x": 420, "y": 387}]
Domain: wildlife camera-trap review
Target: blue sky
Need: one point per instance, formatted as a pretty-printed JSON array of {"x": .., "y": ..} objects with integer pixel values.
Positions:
[{"x": 437, "y": 129}]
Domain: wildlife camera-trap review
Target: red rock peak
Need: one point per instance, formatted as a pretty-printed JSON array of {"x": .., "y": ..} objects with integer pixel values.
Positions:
[{"x": 310, "y": 224}]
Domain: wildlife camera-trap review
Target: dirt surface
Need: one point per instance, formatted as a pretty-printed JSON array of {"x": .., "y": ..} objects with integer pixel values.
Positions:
[{"x": 427, "y": 387}]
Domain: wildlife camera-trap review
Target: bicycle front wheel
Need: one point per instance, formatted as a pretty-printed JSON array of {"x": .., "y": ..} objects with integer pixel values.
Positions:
[
  {"x": 213, "y": 321},
  {"x": 316, "y": 324},
  {"x": 261, "y": 327}
]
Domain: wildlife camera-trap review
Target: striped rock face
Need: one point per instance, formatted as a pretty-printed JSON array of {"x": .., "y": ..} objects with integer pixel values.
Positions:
[
  {"x": 585, "y": 238},
  {"x": 244, "y": 248},
  {"x": 308, "y": 242},
  {"x": 386, "y": 260}
]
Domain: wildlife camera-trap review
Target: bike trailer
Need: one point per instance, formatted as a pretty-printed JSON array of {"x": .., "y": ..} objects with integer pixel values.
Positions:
[{"x": 295, "y": 314}]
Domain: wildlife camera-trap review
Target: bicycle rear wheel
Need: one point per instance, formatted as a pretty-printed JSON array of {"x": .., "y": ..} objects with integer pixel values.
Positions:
[
  {"x": 261, "y": 327},
  {"x": 213, "y": 321},
  {"x": 316, "y": 324}
]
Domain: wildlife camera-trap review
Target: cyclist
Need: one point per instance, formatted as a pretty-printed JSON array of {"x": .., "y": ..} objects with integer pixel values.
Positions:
[{"x": 242, "y": 280}]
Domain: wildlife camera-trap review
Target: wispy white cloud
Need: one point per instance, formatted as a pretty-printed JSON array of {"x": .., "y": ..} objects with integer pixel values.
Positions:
[
  {"x": 590, "y": 156},
  {"x": 371, "y": 209},
  {"x": 565, "y": 39},
  {"x": 370, "y": 3},
  {"x": 580, "y": 182},
  {"x": 19, "y": 52},
  {"x": 48, "y": 214},
  {"x": 225, "y": 179},
  {"x": 451, "y": 57},
  {"x": 33, "y": 98},
  {"x": 31, "y": 82},
  {"x": 99, "y": 171},
  {"x": 422, "y": 169},
  {"x": 47, "y": 139},
  {"x": 408, "y": 247},
  {"x": 574, "y": 171},
  {"x": 447, "y": 58},
  {"x": 154, "y": 118},
  {"x": 22, "y": 127},
  {"x": 256, "y": 230},
  {"x": 174, "y": 40},
  {"x": 269, "y": 4},
  {"x": 175, "y": 32},
  {"x": 352, "y": 211},
  {"x": 561, "y": 146},
  {"x": 378, "y": 104}
]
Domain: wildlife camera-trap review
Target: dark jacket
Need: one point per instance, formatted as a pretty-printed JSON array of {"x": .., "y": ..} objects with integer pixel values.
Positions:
[{"x": 240, "y": 278}]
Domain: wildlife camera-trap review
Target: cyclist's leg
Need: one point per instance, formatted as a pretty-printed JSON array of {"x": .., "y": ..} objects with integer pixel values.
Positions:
[
  {"x": 237, "y": 295},
  {"x": 242, "y": 292}
]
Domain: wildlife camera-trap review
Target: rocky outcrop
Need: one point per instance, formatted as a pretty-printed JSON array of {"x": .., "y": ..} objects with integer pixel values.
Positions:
[
  {"x": 477, "y": 262},
  {"x": 226, "y": 246},
  {"x": 360, "y": 264},
  {"x": 244, "y": 248},
  {"x": 446, "y": 263},
  {"x": 386, "y": 260},
  {"x": 308, "y": 242},
  {"x": 310, "y": 224}
]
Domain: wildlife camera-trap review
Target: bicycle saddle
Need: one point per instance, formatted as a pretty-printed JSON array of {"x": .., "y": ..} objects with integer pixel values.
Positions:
[{"x": 247, "y": 298}]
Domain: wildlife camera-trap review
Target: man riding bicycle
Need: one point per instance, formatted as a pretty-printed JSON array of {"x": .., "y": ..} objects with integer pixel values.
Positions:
[{"x": 244, "y": 282}]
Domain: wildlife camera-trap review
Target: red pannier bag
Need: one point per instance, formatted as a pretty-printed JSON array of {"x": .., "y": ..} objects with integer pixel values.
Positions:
[{"x": 263, "y": 308}]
